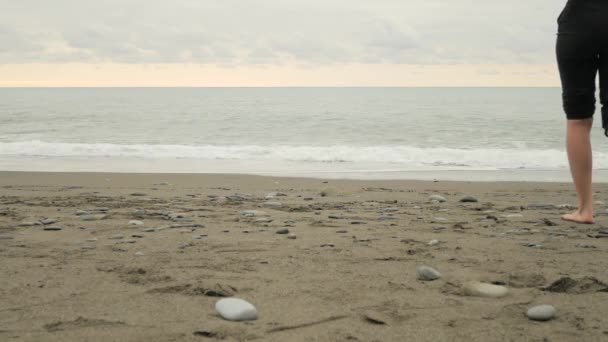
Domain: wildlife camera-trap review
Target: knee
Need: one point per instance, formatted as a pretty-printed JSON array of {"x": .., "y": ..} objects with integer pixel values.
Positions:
[{"x": 579, "y": 103}]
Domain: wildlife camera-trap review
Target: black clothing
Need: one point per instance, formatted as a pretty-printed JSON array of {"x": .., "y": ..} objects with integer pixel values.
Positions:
[{"x": 582, "y": 52}]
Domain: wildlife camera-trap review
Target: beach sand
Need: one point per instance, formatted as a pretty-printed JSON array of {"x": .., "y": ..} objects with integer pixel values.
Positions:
[{"x": 349, "y": 275}]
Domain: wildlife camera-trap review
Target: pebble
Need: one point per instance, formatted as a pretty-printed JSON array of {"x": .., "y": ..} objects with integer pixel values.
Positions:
[
  {"x": 87, "y": 247},
  {"x": 437, "y": 198},
  {"x": 427, "y": 273},
  {"x": 52, "y": 228},
  {"x": 263, "y": 220},
  {"x": 139, "y": 194},
  {"x": 48, "y": 221},
  {"x": 291, "y": 236},
  {"x": 358, "y": 222},
  {"x": 82, "y": 212},
  {"x": 29, "y": 223},
  {"x": 236, "y": 309},
  {"x": 469, "y": 199},
  {"x": 272, "y": 204},
  {"x": 136, "y": 223},
  {"x": 599, "y": 202},
  {"x": 252, "y": 213},
  {"x": 390, "y": 210},
  {"x": 479, "y": 289},
  {"x": 148, "y": 230},
  {"x": 335, "y": 216},
  {"x": 541, "y": 313},
  {"x": 93, "y": 217},
  {"x": 433, "y": 242},
  {"x": 139, "y": 253},
  {"x": 92, "y": 240},
  {"x": 283, "y": 231},
  {"x": 116, "y": 236}
]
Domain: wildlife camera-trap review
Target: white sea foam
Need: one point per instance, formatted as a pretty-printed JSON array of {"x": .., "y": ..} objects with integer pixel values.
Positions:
[{"x": 403, "y": 157}]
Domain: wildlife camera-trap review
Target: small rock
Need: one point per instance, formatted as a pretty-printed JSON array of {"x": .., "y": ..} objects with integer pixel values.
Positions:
[
  {"x": 272, "y": 204},
  {"x": 82, "y": 212},
  {"x": 88, "y": 247},
  {"x": 139, "y": 253},
  {"x": 236, "y": 309},
  {"x": 438, "y": 198},
  {"x": 291, "y": 236},
  {"x": 48, "y": 221},
  {"x": 52, "y": 228},
  {"x": 599, "y": 202},
  {"x": 263, "y": 220},
  {"x": 29, "y": 223},
  {"x": 252, "y": 213},
  {"x": 358, "y": 222},
  {"x": 93, "y": 217},
  {"x": 116, "y": 237},
  {"x": 479, "y": 289},
  {"x": 433, "y": 242},
  {"x": 136, "y": 223},
  {"x": 427, "y": 273},
  {"x": 91, "y": 240},
  {"x": 283, "y": 231},
  {"x": 335, "y": 217},
  {"x": 541, "y": 313},
  {"x": 469, "y": 199},
  {"x": 139, "y": 194}
]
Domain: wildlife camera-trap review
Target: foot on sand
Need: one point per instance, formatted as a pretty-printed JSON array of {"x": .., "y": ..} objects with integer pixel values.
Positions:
[{"x": 578, "y": 217}]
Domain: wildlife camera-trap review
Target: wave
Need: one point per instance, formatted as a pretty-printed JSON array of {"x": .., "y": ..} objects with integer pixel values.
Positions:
[{"x": 401, "y": 155}]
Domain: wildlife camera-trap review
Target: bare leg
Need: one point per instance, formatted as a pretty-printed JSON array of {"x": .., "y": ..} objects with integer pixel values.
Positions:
[{"x": 578, "y": 145}]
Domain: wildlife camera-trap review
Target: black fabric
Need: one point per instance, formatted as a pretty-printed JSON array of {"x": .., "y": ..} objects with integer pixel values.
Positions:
[{"x": 582, "y": 53}]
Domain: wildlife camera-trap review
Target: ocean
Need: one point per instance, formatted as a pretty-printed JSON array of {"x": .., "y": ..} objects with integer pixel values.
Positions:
[{"x": 361, "y": 133}]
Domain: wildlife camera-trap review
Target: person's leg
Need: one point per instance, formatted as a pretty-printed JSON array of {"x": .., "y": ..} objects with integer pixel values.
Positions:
[
  {"x": 578, "y": 61},
  {"x": 578, "y": 145}
]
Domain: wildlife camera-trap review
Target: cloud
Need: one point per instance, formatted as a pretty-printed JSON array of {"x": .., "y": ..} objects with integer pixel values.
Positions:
[{"x": 274, "y": 32}]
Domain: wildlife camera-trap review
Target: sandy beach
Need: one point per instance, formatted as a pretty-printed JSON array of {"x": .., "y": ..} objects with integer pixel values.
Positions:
[{"x": 145, "y": 257}]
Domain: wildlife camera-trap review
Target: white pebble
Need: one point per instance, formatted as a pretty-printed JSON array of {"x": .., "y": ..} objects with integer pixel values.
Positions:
[
  {"x": 135, "y": 223},
  {"x": 236, "y": 309},
  {"x": 541, "y": 313},
  {"x": 433, "y": 242},
  {"x": 478, "y": 289},
  {"x": 427, "y": 273}
]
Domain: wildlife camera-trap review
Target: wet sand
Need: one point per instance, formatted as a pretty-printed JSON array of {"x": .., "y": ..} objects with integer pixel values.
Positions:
[{"x": 348, "y": 275}]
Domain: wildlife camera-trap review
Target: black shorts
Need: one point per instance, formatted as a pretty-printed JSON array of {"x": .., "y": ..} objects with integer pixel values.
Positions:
[{"x": 582, "y": 52}]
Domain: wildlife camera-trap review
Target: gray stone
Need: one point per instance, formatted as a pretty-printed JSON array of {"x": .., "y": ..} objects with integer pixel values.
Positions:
[
  {"x": 291, "y": 236},
  {"x": 139, "y": 194},
  {"x": 469, "y": 198},
  {"x": 93, "y": 217},
  {"x": 541, "y": 313},
  {"x": 116, "y": 236},
  {"x": 427, "y": 273},
  {"x": 252, "y": 213},
  {"x": 433, "y": 242},
  {"x": 48, "y": 221},
  {"x": 438, "y": 198},
  {"x": 272, "y": 204},
  {"x": 136, "y": 223},
  {"x": 283, "y": 231},
  {"x": 52, "y": 228}
]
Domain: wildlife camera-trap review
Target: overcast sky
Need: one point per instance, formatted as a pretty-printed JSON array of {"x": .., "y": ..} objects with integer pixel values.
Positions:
[{"x": 279, "y": 34}]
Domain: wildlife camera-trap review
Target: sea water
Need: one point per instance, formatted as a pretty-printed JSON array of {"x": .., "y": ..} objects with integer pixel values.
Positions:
[{"x": 364, "y": 133}]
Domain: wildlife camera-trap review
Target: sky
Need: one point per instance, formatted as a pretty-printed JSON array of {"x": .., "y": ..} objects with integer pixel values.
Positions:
[{"x": 278, "y": 42}]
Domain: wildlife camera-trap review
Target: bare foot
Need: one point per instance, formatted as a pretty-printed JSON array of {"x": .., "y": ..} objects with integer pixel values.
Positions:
[{"x": 579, "y": 218}]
